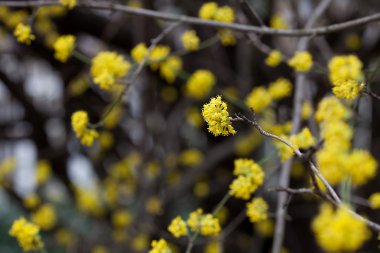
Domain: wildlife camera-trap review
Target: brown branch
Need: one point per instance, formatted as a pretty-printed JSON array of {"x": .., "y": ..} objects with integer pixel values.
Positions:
[{"x": 197, "y": 21}]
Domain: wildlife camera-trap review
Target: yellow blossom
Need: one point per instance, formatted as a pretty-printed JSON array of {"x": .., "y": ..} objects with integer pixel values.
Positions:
[
  {"x": 190, "y": 40},
  {"x": 257, "y": 210},
  {"x": 227, "y": 37},
  {"x": 216, "y": 115},
  {"x": 273, "y": 59},
  {"x": 306, "y": 110},
  {"x": 158, "y": 53},
  {"x": 107, "y": 68},
  {"x": 31, "y": 201},
  {"x": 339, "y": 231},
  {"x": 330, "y": 108},
  {"x": 345, "y": 67},
  {"x": 374, "y": 200},
  {"x": 24, "y": 34},
  {"x": 178, "y": 227},
  {"x": 301, "y": 61},
  {"x": 160, "y": 246},
  {"x": 79, "y": 122},
  {"x": 348, "y": 89},
  {"x": 208, "y": 10},
  {"x": 139, "y": 52},
  {"x": 43, "y": 171},
  {"x": 224, "y": 14},
  {"x": 278, "y": 22},
  {"x": 258, "y": 99},
  {"x": 45, "y": 217},
  {"x": 205, "y": 224},
  {"x": 27, "y": 234},
  {"x": 242, "y": 187},
  {"x": 191, "y": 157},
  {"x": 68, "y": 3},
  {"x": 361, "y": 166},
  {"x": 200, "y": 83},
  {"x": 265, "y": 228},
  {"x": 170, "y": 68},
  {"x": 280, "y": 88},
  {"x": 64, "y": 47}
]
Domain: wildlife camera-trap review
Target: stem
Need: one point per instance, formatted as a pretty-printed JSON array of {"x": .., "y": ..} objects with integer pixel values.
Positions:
[{"x": 81, "y": 57}]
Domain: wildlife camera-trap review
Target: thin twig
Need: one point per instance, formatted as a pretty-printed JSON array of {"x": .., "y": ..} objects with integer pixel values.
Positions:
[{"x": 202, "y": 22}]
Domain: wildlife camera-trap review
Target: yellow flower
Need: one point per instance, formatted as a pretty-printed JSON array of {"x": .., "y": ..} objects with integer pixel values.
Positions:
[
  {"x": 27, "y": 234},
  {"x": 43, "y": 171},
  {"x": 345, "y": 67},
  {"x": 265, "y": 228},
  {"x": 160, "y": 246},
  {"x": 214, "y": 247},
  {"x": 303, "y": 139},
  {"x": 338, "y": 231},
  {"x": 107, "y": 67},
  {"x": 24, "y": 34},
  {"x": 178, "y": 227},
  {"x": 216, "y": 116},
  {"x": 159, "y": 53},
  {"x": 139, "y": 52},
  {"x": 190, "y": 40},
  {"x": 374, "y": 200},
  {"x": 45, "y": 217},
  {"x": 209, "y": 225},
  {"x": 330, "y": 162},
  {"x": 257, "y": 210},
  {"x": 242, "y": 188},
  {"x": 227, "y": 37},
  {"x": 191, "y": 157},
  {"x": 278, "y": 22},
  {"x": 208, "y": 10},
  {"x": 79, "y": 122},
  {"x": 301, "y": 61},
  {"x": 64, "y": 47},
  {"x": 200, "y": 83},
  {"x": 224, "y": 14},
  {"x": 89, "y": 202},
  {"x": 280, "y": 88},
  {"x": 361, "y": 166},
  {"x": 330, "y": 108},
  {"x": 258, "y": 99},
  {"x": 273, "y": 59},
  {"x": 170, "y": 68},
  {"x": 68, "y": 3},
  {"x": 348, "y": 89},
  {"x": 31, "y": 201},
  {"x": 121, "y": 219},
  {"x": 306, "y": 110}
]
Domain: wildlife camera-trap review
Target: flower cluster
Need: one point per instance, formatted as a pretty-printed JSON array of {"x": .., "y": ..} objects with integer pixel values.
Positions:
[
  {"x": 190, "y": 40},
  {"x": 178, "y": 227},
  {"x": 257, "y": 210},
  {"x": 45, "y": 217},
  {"x": 160, "y": 246},
  {"x": 68, "y": 3},
  {"x": 27, "y": 234},
  {"x": 107, "y": 68},
  {"x": 278, "y": 22},
  {"x": 302, "y": 61},
  {"x": 79, "y": 123},
  {"x": 24, "y": 34},
  {"x": 280, "y": 88},
  {"x": 216, "y": 116},
  {"x": 210, "y": 10},
  {"x": 258, "y": 99},
  {"x": 274, "y": 58},
  {"x": 64, "y": 47},
  {"x": 205, "y": 224},
  {"x": 170, "y": 68},
  {"x": 200, "y": 83},
  {"x": 338, "y": 231},
  {"x": 250, "y": 176}
]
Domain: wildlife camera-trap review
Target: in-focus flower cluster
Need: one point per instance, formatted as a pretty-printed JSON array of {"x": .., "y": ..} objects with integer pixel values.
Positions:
[
  {"x": 79, "y": 123},
  {"x": 24, "y": 34},
  {"x": 205, "y": 224},
  {"x": 64, "y": 47},
  {"x": 257, "y": 210},
  {"x": 160, "y": 246},
  {"x": 217, "y": 117},
  {"x": 250, "y": 176},
  {"x": 27, "y": 234}
]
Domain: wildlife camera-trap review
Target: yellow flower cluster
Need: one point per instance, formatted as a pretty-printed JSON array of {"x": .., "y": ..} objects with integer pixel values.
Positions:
[
  {"x": 200, "y": 83},
  {"x": 302, "y": 61},
  {"x": 280, "y": 88},
  {"x": 64, "y": 47},
  {"x": 226, "y": 37},
  {"x": 258, "y": 99},
  {"x": 160, "y": 246},
  {"x": 257, "y": 210},
  {"x": 302, "y": 140},
  {"x": 68, "y": 3},
  {"x": 345, "y": 73},
  {"x": 27, "y": 234},
  {"x": 159, "y": 53},
  {"x": 178, "y": 227},
  {"x": 191, "y": 157},
  {"x": 139, "y": 52},
  {"x": 273, "y": 59},
  {"x": 205, "y": 224},
  {"x": 335, "y": 160},
  {"x": 89, "y": 202},
  {"x": 278, "y": 22},
  {"x": 170, "y": 68},
  {"x": 45, "y": 217},
  {"x": 210, "y": 10},
  {"x": 107, "y": 67},
  {"x": 250, "y": 176},
  {"x": 24, "y": 34},
  {"x": 216, "y": 116},
  {"x": 190, "y": 40},
  {"x": 306, "y": 110},
  {"x": 374, "y": 200},
  {"x": 43, "y": 171},
  {"x": 339, "y": 231},
  {"x": 79, "y": 123}
]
